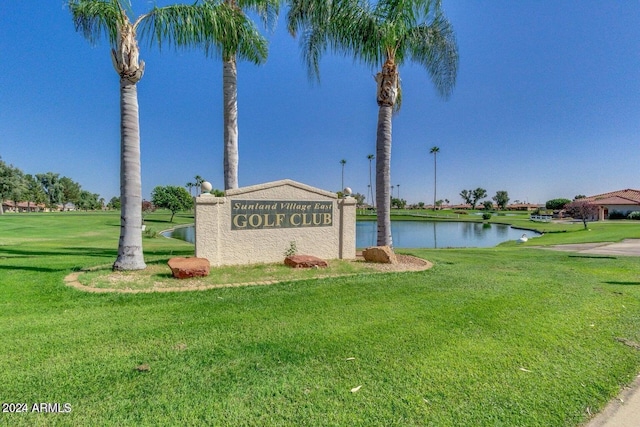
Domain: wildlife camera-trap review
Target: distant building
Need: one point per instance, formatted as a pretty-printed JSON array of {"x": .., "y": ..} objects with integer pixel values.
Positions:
[
  {"x": 10, "y": 206},
  {"x": 524, "y": 207},
  {"x": 622, "y": 201}
]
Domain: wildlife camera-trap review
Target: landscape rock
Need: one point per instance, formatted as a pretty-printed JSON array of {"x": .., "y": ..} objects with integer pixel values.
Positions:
[
  {"x": 184, "y": 268},
  {"x": 305, "y": 261},
  {"x": 381, "y": 254}
]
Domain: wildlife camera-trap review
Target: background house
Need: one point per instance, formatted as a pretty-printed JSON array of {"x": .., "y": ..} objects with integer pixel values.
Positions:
[{"x": 621, "y": 201}]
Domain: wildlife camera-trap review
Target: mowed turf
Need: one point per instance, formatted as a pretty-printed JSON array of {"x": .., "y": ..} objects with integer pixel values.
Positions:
[{"x": 500, "y": 336}]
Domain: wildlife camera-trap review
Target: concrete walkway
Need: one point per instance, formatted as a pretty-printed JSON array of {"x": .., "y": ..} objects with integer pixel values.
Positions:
[
  {"x": 628, "y": 247},
  {"x": 624, "y": 410}
]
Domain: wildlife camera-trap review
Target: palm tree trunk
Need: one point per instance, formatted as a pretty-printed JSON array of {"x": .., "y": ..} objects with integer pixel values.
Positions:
[
  {"x": 387, "y": 92},
  {"x": 130, "y": 255},
  {"x": 230, "y": 94},
  {"x": 383, "y": 175},
  {"x": 435, "y": 178}
]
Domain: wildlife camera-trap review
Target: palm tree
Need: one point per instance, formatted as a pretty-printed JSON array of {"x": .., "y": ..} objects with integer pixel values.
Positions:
[
  {"x": 342, "y": 162},
  {"x": 370, "y": 157},
  {"x": 190, "y": 186},
  {"x": 198, "y": 184},
  {"x": 386, "y": 34},
  {"x": 221, "y": 27},
  {"x": 95, "y": 18},
  {"x": 434, "y": 150},
  {"x": 240, "y": 42}
]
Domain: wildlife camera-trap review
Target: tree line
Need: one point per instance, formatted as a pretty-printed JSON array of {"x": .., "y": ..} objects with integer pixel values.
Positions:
[{"x": 48, "y": 188}]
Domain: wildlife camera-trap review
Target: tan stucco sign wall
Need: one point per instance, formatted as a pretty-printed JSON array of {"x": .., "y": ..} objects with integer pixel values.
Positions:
[{"x": 257, "y": 224}]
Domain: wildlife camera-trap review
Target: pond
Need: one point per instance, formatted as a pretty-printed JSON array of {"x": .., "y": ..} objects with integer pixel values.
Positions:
[
  {"x": 418, "y": 234},
  {"x": 438, "y": 234}
]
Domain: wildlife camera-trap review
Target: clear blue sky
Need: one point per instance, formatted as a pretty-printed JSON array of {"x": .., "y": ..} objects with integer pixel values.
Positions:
[{"x": 547, "y": 105}]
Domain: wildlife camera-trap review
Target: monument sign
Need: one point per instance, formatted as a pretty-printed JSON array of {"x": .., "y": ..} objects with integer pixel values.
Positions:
[{"x": 258, "y": 224}]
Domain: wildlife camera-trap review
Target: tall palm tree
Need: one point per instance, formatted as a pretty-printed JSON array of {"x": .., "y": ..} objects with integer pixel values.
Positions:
[
  {"x": 434, "y": 150},
  {"x": 95, "y": 18},
  {"x": 244, "y": 42},
  {"x": 370, "y": 157},
  {"x": 222, "y": 28},
  {"x": 343, "y": 162},
  {"x": 386, "y": 34}
]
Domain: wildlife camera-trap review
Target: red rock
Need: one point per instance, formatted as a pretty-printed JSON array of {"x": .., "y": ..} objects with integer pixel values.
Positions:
[
  {"x": 381, "y": 254},
  {"x": 184, "y": 268},
  {"x": 304, "y": 261}
]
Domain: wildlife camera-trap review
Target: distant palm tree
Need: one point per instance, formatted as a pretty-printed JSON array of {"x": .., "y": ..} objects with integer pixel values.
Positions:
[
  {"x": 370, "y": 157},
  {"x": 198, "y": 184},
  {"x": 190, "y": 186},
  {"x": 382, "y": 33},
  {"x": 342, "y": 162},
  {"x": 434, "y": 150}
]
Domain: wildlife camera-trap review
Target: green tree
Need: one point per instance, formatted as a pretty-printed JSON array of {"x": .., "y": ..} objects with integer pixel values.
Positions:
[
  {"x": 434, "y": 150},
  {"x": 502, "y": 199},
  {"x": 114, "y": 203},
  {"x": 385, "y": 34},
  {"x": 467, "y": 196},
  {"x": 88, "y": 201},
  {"x": 359, "y": 198},
  {"x": 19, "y": 188},
  {"x": 52, "y": 187},
  {"x": 556, "y": 204},
  {"x": 70, "y": 190},
  {"x": 34, "y": 191},
  {"x": 477, "y": 195},
  {"x": 183, "y": 23},
  {"x": 171, "y": 197},
  {"x": 398, "y": 203},
  {"x": 9, "y": 177}
]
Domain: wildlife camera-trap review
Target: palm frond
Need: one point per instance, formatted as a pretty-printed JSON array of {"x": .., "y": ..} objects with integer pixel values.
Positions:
[
  {"x": 218, "y": 28},
  {"x": 97, "y": 18},
  {"x": 434, "y": 46},
  {"x": 267, "y": 10}
]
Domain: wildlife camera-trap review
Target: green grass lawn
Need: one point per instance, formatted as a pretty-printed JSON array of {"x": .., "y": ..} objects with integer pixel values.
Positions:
[{"x": 507, "y": 336}]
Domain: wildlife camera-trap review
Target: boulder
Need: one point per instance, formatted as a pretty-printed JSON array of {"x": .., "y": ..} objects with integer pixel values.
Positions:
[
  {"x": 381, "y": 254},
  {"x": 184, "y": 268},
  {"x": 305, "y": 261}
]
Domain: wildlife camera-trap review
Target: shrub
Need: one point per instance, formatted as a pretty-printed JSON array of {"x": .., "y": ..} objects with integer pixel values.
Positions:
[
  {"x": 634, "y": 215},
  {"x": 617, "y": 215},
  {"x": 486, "y": 216}
]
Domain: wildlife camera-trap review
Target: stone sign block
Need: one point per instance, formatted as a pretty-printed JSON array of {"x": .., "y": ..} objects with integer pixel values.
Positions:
[{"x": 258, "y": 224}]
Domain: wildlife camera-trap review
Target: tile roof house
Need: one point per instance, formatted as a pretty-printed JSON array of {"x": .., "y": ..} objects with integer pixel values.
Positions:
[{"x": 622, "y": 201}]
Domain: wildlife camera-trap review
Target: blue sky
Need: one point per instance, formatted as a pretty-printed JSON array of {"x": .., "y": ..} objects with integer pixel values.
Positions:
[{"x": 546, "y": 105}]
